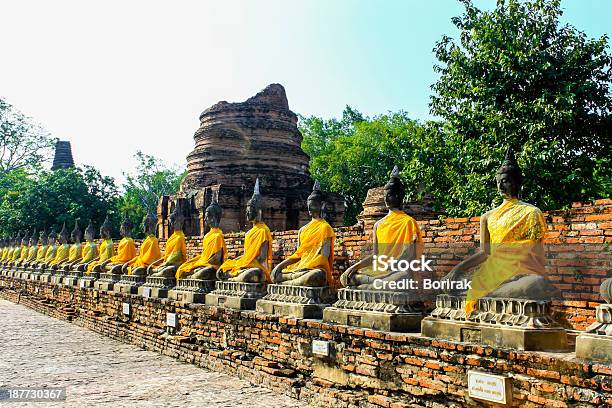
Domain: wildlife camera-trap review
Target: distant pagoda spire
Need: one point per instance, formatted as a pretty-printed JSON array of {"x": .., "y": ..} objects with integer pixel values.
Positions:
[{"x": 63, "y": 155}]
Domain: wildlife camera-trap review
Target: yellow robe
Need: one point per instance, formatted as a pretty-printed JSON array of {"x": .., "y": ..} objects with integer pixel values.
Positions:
[
  {"x": 40, "y": 254},
  {"x": 516, "y": 230},
  {"x": 176, "y": 250},
  {"x": 4, "y": 253},
  {"x": 25, "y": 250},
  {"x": 75, "y": 252},
  {"x": 61, "y": 255},
  {"x": 32, "y": 254},
  {"x": 253, "y": 241},
  {"x": 106, "y": 252},
  {"x": 149, "y": 253},
  {"x": 126, "y": 251},
  {"x": 17, "y": 254},
  {"x": 312, "y": 237},
  {"x": 89, "y": 252},
  {"x": 50, "y": 254},
  {"x": 212, "y": 243}
]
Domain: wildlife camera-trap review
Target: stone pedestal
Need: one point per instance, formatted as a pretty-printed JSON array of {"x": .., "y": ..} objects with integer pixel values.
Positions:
[
  {"x": 236, "y": 295},
  {"x": 72, "y": 278},
  {"x": 191, "y": 290},
  {"x": 88, "y": 280},
  {"x": 596, "y": 343},
  {"x": 378, "y": 310},
  {"x": 45, "y": 276},
  {"x": 130, "y": 283},
  {"x": 107, "y": 281},
  {"x": 34, "y": 274},
  {"x": 156, "y": 287},
  {"x": 521, "y": 324},
  {"x": 295, "y": 301}
]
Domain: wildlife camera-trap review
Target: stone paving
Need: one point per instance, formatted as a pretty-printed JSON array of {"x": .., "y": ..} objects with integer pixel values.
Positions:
[{"x": 36, "y": 350}]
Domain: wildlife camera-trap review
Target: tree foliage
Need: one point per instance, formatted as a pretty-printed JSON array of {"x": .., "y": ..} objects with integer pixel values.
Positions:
[{"x": 24, "y": 145}]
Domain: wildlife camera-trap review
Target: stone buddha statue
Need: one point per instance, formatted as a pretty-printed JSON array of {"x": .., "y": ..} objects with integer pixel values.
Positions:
[
  {"x": 61, "y": 254},
  {"x": 396, "y": 235},
  {"x": 255, "y": 264},
  {"x": 214, "y": 251},
  {"x": 149, "y": 249},
  {"x": 89, "y": 250},
  {"x": 106, "y": 251},
  {"x": 311, "y": 264},
  {"x": 25, "y": 249},
  {"x": 126, "y": 251},
  {"x": 21, "y": 250},
  {"x": 51, "y": 250},
  {"x": 511, "y": 260},
  {"x": 32, "y": 250},
  {"x": 175, "y": 252},
  {"x": 75, "y": 251},
  {"x": 41, "y": 251}
]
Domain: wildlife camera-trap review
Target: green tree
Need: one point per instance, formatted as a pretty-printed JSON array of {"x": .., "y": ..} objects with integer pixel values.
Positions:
[
  {"x": 518, "y": 77},
  {"x": 49, "y": 199},
  {"x": 24, "y": 145},
  {"x": 143, "y": 189}
]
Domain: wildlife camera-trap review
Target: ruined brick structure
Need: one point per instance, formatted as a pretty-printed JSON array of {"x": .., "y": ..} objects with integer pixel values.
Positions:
[
  {"x": 237, "y": 143},
  {"x": 63, "y": 155}
]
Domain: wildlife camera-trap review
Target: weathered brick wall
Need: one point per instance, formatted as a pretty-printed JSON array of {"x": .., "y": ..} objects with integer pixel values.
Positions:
[{"x": 365, "y": 369}]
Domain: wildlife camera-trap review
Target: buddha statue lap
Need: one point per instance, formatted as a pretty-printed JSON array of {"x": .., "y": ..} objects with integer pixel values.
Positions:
[{"x": 149, "y": 249}]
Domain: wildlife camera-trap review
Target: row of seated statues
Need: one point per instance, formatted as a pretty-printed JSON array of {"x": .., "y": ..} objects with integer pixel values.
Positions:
[{"x": 508, "y": 287}]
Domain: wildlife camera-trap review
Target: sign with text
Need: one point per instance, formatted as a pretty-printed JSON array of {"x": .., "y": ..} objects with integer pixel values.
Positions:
[
  {"x": 171, "y": 319},
  {"x": 490, "y": 387},
  {"x": 320, "y": 348},
  {"x": 126, "y": 308},
  {"x": 146, "y": 291}
]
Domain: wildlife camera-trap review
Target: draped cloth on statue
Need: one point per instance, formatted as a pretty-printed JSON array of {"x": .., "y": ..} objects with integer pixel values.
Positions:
[
  {"x": 32, "y": 253},
  {"x": 395, "y": 233},
  {"x": 17, "y": 255},
  {"x": 312, "y": 237},
  {"x": 106, "y": 252},
  {"x": 126, "y": 251},
  {"x": 176, "y": 249},
  {"x": 61, "y": 254},
  {"x": 89, "y": 252},
  {"x": 50, "y": 254},
  {"x": 212, "y": 243},
  {"x": 25, "y": 250},
  {"x": 253, "y": 241},
  {"x": 4, "y": 253},
  {"x": 516, "y": 230},
  {"x": 41, "y": 252},
  {"x": 149, "y": 253},
  {"x": 75, "y": 252}
]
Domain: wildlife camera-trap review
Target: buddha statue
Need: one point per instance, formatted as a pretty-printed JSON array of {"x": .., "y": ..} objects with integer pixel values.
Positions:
[
  {"x": 9, "y": 251},
  {"x": 214, "y": 251},
  {"x": 149, "y": 249},
  {"x": 51, "y": 251},
  {"x": 311, "y": 264},
  {"x": 63, "y": 250},
  {"x": 41, "y": 251},
  {"x": 396, "y": 236},
  {"x": 75, "y": 252},
  {"x": 255, "y": 264},
  {"x": 126, "y": 251},
  {"x": 511, "y": 260},
  {"x": 25, "y": 250},
  {"x": 89, "y": 250},
  {"x": 106, "y": 249},
  {"x": 32, "y": 250},
  {"x": 21, "y": 250},
  {"x": 175, "y": 252}
]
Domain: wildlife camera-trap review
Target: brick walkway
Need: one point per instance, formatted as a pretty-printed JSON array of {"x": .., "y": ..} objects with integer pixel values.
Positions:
[{"x": 37, "y": 350}]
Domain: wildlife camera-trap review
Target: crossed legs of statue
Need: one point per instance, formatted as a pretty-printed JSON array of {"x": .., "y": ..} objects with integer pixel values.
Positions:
[{"x": 302, "y": 277}]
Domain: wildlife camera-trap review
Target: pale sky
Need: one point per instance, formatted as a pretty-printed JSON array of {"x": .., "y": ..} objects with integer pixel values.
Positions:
[{"x": 114, "y": 77}]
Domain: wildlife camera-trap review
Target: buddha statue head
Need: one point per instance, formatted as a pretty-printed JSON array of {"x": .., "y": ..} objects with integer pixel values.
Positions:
[
  {"x": 176, "y": 218},
  {"x": 126, "y": 227},
  {"x": 90, "y": 232},
  {"x": 33, "y": 238},
  {"x": 509, "y": 177},
  {"x": 314, "y": 202},
  {"x": 394, "y": 191},
  {"x": 63, "y": 235},
  {"x": 25, "y": 239},
  {"x": 76, "y": 233},
  {"x": 253, "y": 207},
  {"x": 52, "y": 237},
  {"x": 213, "y": 213},
  {"x": 149, "y": 223},
  {"x": 42, "y": 238},
  {"x": 106, "y": 229}
]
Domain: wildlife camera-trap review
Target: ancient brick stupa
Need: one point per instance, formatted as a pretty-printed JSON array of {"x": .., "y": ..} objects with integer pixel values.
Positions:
[
  {"x": 63, "y": 155},
  {"x": 237, "y": 143}
]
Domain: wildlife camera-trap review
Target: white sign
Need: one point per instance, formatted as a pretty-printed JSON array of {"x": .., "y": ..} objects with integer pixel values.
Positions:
[
  {"x": 320, "y": 347},
  {"x": 171, "y": 319},
  {"x": 82, "y": 283},
  {"x": 126, "y": 308},
  {"x": 489, "y": 387},
  {"x": 146, "y": 291}
]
